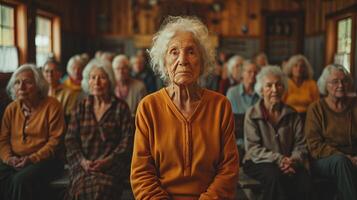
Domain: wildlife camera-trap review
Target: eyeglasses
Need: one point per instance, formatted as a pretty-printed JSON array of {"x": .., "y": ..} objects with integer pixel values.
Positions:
[{"x": 336, "y": 82}]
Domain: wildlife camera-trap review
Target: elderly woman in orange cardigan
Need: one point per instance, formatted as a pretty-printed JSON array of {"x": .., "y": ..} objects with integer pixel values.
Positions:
[
  {"x": 184, "y": 146},
  {"x": 30, "y": 133}
]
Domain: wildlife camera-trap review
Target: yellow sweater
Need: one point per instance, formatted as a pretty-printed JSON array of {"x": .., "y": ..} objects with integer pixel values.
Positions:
[
  {"x": 178, "y": 158},
  {"x": 44, "y": 129},
  {"x": 301, "y": 97}
]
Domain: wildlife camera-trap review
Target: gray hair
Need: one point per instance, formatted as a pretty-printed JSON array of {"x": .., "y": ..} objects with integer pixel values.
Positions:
[
  {"x": 40, "y": 82},
  {"x": 98, "y": 64},
  {"x": 120, "y": 58},
  {"x": 74, "y": 59},
  {"x": 292, "y": 62},
  {"x": 170, "y": 27},
  {"x": 321, "y": 83},
  {"x": 232, "y": 62},
  {"x": 269, "y": 70}
]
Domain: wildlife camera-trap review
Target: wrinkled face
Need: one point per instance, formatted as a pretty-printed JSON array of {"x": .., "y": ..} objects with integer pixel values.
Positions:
[
  {"x": 121, "y": 70},
  {"x": 99, "y": 83},
  {"x": 77, "y": 69},
  {"x": 273, "y": 89},
  {"x": 261, "y": 61},
  {"x": 25, "y": 86},
  {"x": 338, "y": 84},
  {"x": 236, "y": 70},
  {"x": 138, "y": 64},
  {"x": 51, "y": 73},
  {"x": 249, "y": 73},
  {"x": 299, "y": 69},
  {"x": 182, "y": 59}
]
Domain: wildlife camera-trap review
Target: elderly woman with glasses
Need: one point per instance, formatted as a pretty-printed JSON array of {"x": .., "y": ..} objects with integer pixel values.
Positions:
[
  {"x": 276, "y": 152},
  {"x": 184, "y": 146},
  {"x": 30, "y": 135},
  {"x": 331, "y": 131},
  {"x": 98, "y": 140}
]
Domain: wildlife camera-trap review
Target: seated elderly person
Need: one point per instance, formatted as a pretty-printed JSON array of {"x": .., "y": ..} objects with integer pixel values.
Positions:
[
  {"x": 302, "y": 89},
  {"x": 243, "y": 96},
  {"x": 231, "y": 74},
  {"x": 261, "y": 60},
  {"x": 274, "y": 141},
  {"x": 30, "y": 134},
  {"x": 75, "y": 67},
  {"x": 52, "y": 74},
  {"x": 331, "y": 131},
  {"x": 98, "y": 140},
  {"x": 127, "y": 88},
  {"x": 144, "y": 73},
  {"x": 184, "y": 146}
]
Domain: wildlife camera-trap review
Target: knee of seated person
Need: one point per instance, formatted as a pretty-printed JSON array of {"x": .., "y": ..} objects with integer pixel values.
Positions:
[
  {"x": 21, "y": 179},
  {"x": 341, "y": 160},
  {"x": 273, "y": 173}
]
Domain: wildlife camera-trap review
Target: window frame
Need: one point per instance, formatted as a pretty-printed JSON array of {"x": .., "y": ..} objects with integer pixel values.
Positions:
[
  {"x": 332, "y": 36},
  {"x": 14, "y": 18},
  {"x": 55, "y": 31}
]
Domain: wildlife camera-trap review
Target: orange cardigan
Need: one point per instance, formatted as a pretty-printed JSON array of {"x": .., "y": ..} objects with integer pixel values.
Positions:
[
  {"x": 44, "y": 130},
  {"x": 175, "y": 158},
  {"x": 301, "y": 97}
]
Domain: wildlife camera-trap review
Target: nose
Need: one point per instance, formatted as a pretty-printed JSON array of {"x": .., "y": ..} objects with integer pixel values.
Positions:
[{"x": 183, "y": 58}]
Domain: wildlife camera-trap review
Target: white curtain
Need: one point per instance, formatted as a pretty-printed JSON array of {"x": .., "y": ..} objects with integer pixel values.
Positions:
[{"x": 9, "y": 58}]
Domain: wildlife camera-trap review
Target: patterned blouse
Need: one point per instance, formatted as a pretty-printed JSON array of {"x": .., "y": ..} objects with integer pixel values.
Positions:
[{"x": 90, "y": 139}]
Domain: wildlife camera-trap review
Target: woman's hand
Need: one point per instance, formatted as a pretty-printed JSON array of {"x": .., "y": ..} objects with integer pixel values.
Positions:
[
  {"x": 286, "y": 165},
  {"x": 102, "y": 164},
  {"x": 87, "y": 165},
  {"x": 18, "y": 162},
  {"x": 13, "y": 161},
  {"x": 353, "y": 159}
]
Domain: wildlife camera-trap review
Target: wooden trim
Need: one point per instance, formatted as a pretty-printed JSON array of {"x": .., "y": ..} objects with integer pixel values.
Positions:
[
  {"x": 21, "y": 32},
  {"x": 350, "y": 9}
]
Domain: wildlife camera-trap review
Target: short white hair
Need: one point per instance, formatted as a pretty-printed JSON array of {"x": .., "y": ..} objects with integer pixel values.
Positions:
[
  {"x": 120, "y": 58},
  {"x": 293, "y": 61},
  {"x": 41, "y": 83},
  {"x": 98, "y": 64},
  {"x": 321, "y": 83},
  {"x": 171, "y": 26},
  {"x": 232, "y": 62},
  {"x": 266, "y": 71},
  {"x": 74, "y": 59}
]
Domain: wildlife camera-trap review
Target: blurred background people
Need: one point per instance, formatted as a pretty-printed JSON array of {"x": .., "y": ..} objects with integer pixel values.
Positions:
[
  {"x": 331, "y": 131},
  {"x": 129, "y": 89},
  {"x": 52, "y": 74},
  {"x": 274, "y": 140},
  {"x": 75, "y": 68},
  {"x": 302, "y": 89},
  {"x": 31, "y": 131},
  {"x": 231, "y": 76},
  {"x": 98, "y": 140}
]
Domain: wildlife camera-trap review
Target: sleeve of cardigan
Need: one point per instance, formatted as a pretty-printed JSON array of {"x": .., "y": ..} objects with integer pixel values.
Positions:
[
  {"x": 252, "y": 143},
  {"x": 56, "y": 126},
  {"x": 144, "y": 180},
  {"x": 224, "y": 183},
  {"x": 5, "y": 134},
  {"x": 299, "y": 152},
  {"x": 72, "y": 141},
  {"x": 314, "y": 134}
]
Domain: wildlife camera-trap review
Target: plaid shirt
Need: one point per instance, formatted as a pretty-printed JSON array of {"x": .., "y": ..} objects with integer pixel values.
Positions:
[{"x": 90, "y": 139}]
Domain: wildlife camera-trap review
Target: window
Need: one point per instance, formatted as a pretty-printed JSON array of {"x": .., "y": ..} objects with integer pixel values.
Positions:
[
  {"x": 43, "y": 39},
  {"x": 344, "y": 42},
  {"x": 7, "y": 26},
  {"x": 8, "y": 51}
]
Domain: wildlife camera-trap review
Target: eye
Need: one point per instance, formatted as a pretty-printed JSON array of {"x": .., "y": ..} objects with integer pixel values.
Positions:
[{"x": 174, "y": 52}]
